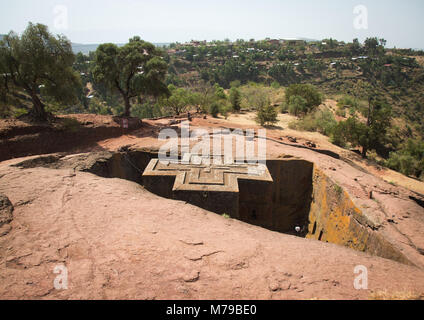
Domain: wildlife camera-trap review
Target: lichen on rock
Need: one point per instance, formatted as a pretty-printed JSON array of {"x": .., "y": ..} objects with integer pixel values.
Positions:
[{"x": 6, "y": 210}]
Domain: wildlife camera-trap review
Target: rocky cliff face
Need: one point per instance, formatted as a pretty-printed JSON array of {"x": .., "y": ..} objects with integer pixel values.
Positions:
[{"x": 334, "y": 218}]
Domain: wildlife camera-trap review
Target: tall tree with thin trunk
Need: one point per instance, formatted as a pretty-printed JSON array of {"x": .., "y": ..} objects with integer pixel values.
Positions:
[
  {"x": 135, "y": 69},
  {"x": 39, "y": 64}
]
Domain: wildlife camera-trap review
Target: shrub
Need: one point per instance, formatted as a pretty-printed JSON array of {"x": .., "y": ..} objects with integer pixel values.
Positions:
[
  {"x": 224, "y": 109},
  {"x": 235, "y": 99},
  {"x": 341, "y": 112},
  {"x": 266, "y": 115},
  {"x": 338, "y": 190},
  {"x": 214, "y": 109},
  {"x": 337, "y": 137},
  {"x": 70, "y": 124},
  {"x": 284, "y": 107},
  {"x": 338, "y": 140},
  {"x": 403, "y": 163},
  {"x": 347, "y": 101},
  {"x": 409, "y": 160},
  {"x": 255, "y": 96},
  {"x": 319, "y": 121},
  {"x": 275, "y": 85},
  {"x": 306, "y": 91}
]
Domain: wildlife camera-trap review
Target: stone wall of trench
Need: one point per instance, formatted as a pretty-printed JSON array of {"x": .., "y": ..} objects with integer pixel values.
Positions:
[
  {"x": 334, "y": 218},
  {"x": 302, "y": 195}
]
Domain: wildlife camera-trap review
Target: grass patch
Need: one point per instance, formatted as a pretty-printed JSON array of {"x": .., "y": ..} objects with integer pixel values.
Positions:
[{"x": 338, "y": 190}]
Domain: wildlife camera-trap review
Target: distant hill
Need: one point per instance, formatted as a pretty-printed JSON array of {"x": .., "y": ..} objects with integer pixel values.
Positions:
[
  {"x": 1, "y": 36},
  {"x": 86, "y": 48}
]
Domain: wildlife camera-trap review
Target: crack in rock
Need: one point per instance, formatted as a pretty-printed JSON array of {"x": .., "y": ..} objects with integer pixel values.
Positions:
[
  {"x": 192, "y": 243},
  {"x": 198, "y": 258},
  {"x": 193, "y": 277}
]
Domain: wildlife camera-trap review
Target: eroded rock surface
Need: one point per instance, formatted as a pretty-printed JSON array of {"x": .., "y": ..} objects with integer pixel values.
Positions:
[{"x": 119, "y": 241}]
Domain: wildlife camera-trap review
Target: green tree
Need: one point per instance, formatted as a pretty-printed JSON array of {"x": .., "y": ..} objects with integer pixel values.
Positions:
[
  {"x": 206, "y": 97},
  {"x": 355, "y": 47},
  {"x": 266, "y": 114},
  {"x": 297, "y": 105},
  {"x": 372, "y": 133},
  {"x": 283, "y": 73},
  {"x": 306, "y": 91},
  {"x": 375, "y": 46},
  {"x": 219, "y": 92},
  {"x": 135, "y": 69},
  {"x": 235, "y": 99},
  {"x": 178, "y": 100},
  {"x": 40, "y": 65},
  {"x": 196, "y": 100}
]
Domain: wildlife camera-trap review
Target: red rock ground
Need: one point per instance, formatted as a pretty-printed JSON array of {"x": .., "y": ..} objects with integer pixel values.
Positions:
[{"x": 119, "y": 241}]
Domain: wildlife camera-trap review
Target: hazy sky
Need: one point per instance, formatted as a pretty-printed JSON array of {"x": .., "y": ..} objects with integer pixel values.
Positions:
[{"x": 96, "y": 21}]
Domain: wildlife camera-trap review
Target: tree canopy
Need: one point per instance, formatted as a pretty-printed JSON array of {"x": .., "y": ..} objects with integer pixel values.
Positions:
[
  {"x": 137, "y": 68},
  {"x": 178, "y": 101},
  {"x": 266, "y": 114},
  {"x": 308, "y": 92},
  {"x": 374, "y": 46},
  {"x": 372, "y": 133},
  {"x": 39, "y": 64},
  {"x": 297, "y": 105}
]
